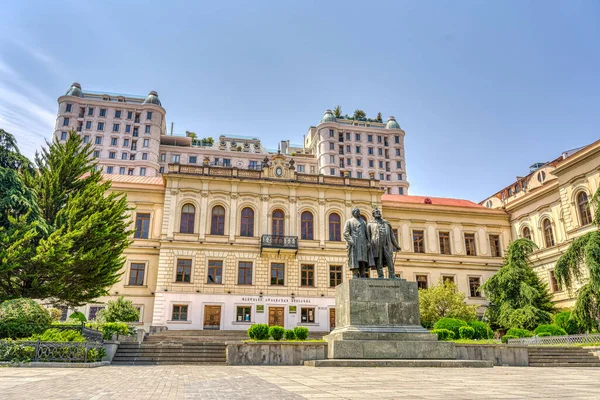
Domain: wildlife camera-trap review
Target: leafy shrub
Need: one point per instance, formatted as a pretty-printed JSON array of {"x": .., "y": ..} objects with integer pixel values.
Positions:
[
  {"x": 258, "y": 332},
  {"x": 276, "y": 332},
  {"x": 301, "y": 332},
  {"x": 542, "y": 334},
  {"x": 506, "y": 337},
  {"x": 111, "y": 328},
  {"x": 55, "y": 313},
  {"x": 482, "y": 330},
  {"x": 553, "y": 330},
  {"x": 289, "y": 334},
  {"x": 452, "y": 324},
  {"x": 466, "y": 332},
  {"x": 16, "y": 352},
  {"x": 565, "y": 321},
  {"x": 443, "y": 334},
  {"x": 78, "y": 316},
  {"x": 59, "y": 335},
  {"x": 22, "y": 318},
  {"x": 519, "y": 333},
  {"x": 94, "y": 355},
  {"x": 120, "y": 310}
]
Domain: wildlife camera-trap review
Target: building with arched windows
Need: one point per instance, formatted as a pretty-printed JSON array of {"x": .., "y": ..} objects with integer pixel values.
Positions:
[{"x": 551, "y": 206}]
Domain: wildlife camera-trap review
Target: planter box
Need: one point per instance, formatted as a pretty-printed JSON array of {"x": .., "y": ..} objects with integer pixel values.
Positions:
[{"x": 275, "y": 353}]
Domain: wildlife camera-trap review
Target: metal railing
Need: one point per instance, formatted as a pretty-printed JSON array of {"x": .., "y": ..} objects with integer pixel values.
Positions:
[
  {"x": 23, "y": 350},
  {"x": 279, "y": 242},
  {"x": 556, "y": 340}
]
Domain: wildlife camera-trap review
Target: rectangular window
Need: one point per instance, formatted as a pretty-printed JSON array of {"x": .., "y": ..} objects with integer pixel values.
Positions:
[
  {"x": 380, "y": 151},
  {"x": 226, "y": 162},
  {"x": 113, "y": 141},
  {"x": 146, "y": 142},
  {"x": 495, "y": 246},
  {"x": 357, "y": 149},
  {"x": 348, "y": 148},
  {"x": 243, "y": 313},
  {"x": 66, "y": 122},
  {"x": 142, "y": 222},
  {"x": 331, "y": 171},
  {"x": 335, "y": 275},
  {"x": 142, "y": 171},
  {"x": 448, "y": 278},
  {"x": 127, "y": 128},
  {"x": 88, "y": 125},
  {"x": 136, "y": 274},
  {"x": 332, "y": 159},
  {"x": 91, "y": 111},
  {"x": 149, "y": 115},
  {"x": 215, "y": 272},
  {"x": 144, "y": 156},
  {"x": 163, "y": 157},
  {"x": 381, "y": 177},
  {"x": 370, "y": 151},
  {"x": 175, "y": 158},
  {"x": 161, "y": 170},
  {"x": 109, "y": 170},
  {"x": 474, "y": 283},
  {"x": 371, "y": 164},
  {"x": 331, "y": 146},
  {"x": 122, "y": 171},
  {"x": 147, "y": 129},
  {"x": 112, "y": 155},
  {"x": 444, "y": 243},
  {"x": 98, "y": 140},
  {"x": 307, "y": 275},
  {"x": 398, "y": 164},
  {"x": 117, "y": 113},
  {"x": 115, "y": 127},
  {"x": 347, "y": 135},
  {"x": 277, "y": 274},
  {"x": 359, "y": 174},
  {"x": 301, "y": 168},
  {"x": 135, "y": 132},
  {"x": 370, "y": 138},
  {"x": 100, "y": 126},
  {"x": 331, "y": 134},
  {"x": 129, "y": 114},
  {"x": 307, "y": 315},
  {"x": 553, "y": 282},
  {"x": 86, "y": 139},
  {"x": 192, "y": 159},
  {"x": 124, "y": 156},
  {"x": 397, "y": 139},
  {"x": 470, "y": 244},
  {"x": 357, "y": 137},
  {"x": 125, "y": 142},
  {"x": 358, "y": 162},
  {"x": 245, "y": 273},
  {"x": 179, "y": 313},
  {"x": 422, "y": 281},
  {"x": 184, "y": 270},
  {"x": 103, "y": 112},
  {"x": 63, "y": 136},
  {"x": 378, "y": 139},
  {"x": 94, "y": 311},
  {"x": 418, "y": 242}
]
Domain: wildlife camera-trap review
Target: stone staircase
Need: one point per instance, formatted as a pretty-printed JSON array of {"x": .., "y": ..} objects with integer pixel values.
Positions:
[
  {"x": 562, "y": 357},
  {"x": 170, "y": 353}
]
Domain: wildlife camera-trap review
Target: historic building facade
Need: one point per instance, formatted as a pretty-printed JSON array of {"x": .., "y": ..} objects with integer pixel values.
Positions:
[{"x": 551, "y": 206}]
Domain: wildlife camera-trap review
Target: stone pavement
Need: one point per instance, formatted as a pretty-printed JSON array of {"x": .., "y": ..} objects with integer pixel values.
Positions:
[{"x": 221, "y": 382}]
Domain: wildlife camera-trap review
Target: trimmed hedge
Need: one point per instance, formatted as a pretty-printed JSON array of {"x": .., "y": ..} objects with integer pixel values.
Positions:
[
  {"x": 542, "y": 334},
  {"x": 482, "y": 330},
  {"x": 452, "y": 324},
  {"x": 506, "y": 337},
  {"x": 301, "y": 332},
  {"x": 289, "y": 334},
  {"x": 443, "y": 334},
  {"x": 564, "y": 320},
  {"x": 519, "y": 333},
  {"x": 466, "y": 332},
  {"x": 21, "y": 318},
  {"x": 276, "y": 332},
  {"x": 78, "y": 316},
  {"x": 553, "y": 330},
  {"x": 258, "y": 332}
]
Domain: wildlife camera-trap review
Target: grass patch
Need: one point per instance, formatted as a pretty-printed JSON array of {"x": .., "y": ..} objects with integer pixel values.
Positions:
[{"x": 473, "y": 341}]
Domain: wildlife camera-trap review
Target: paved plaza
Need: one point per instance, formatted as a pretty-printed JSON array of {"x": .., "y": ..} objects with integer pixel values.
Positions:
[{"x": 217, "y": 382}]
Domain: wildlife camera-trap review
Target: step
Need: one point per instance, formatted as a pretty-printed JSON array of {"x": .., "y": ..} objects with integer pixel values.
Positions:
[
  {"x": 566, "y": 360},
  {"x": 196, "y": 359},
  {"x": 596, "y": 365},
  {"x": 166, "y": 363},
  {"x": 400, "y": 363},
  {"x": 159, "y": 354}
]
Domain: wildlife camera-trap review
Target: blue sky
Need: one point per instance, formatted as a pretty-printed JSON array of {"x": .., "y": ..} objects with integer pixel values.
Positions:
[{"x": 483, "y": 89}]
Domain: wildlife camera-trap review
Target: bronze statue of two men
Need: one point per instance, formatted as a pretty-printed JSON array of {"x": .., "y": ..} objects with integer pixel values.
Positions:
[{"x": 370, "y": 245}]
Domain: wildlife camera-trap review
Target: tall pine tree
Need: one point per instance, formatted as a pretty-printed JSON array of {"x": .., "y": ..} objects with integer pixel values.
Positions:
[
  {"x": 518, "y": 298},
  {"x": 70, "y": 250}
]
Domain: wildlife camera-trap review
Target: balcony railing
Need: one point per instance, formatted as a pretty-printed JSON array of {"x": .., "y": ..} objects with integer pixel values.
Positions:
[{"x": 279, "y": 242}]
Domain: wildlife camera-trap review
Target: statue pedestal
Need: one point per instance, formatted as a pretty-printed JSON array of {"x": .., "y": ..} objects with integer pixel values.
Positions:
[{"x": 379, "y": 319}]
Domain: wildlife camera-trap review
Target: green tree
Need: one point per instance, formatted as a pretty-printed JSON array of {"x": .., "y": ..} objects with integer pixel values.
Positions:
[
  {"x": 359, "y": 114},
  {"x": 10, "y": 156},
  {"x": 191, "y": 134},
  {"x": 379, "y": 117},
  {"x": 444, "y": 300},
  {"x": 584, "y": 252},
  {"x": 69, "y": 246},
  {"x": 120, "y": 310},
  {"x": 337, "y": 111},
  {"x": 209, "y": 141},
  {"x": 518, "y": 298}
]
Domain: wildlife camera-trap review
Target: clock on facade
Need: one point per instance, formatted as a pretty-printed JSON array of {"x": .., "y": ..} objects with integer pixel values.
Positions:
[{"x": 278, "y": 171}]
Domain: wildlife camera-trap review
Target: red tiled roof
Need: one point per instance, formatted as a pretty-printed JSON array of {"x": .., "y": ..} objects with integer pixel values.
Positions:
[
  {"x": 439, "y": 201},
  {"x": 144, "y": 180}
]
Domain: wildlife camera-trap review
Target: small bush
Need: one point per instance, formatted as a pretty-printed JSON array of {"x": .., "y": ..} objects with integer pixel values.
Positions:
[
  {"x": 506, "y": 337},
  {"x": 289, "y": 334},
  {"x": 452, "y": 324},
  {"x": 519, "y": 333},
  {"x": 482, "y": 330},
  {"x": 565, "y": 321},
  {"x": 120, "y": 310},
  {"x": 258, "y": 332},
  {"x": 301, "y": 332},
  {"x": 55, "y": 313},
  {"x": 22, "y": 318},
  {"x": 78, "y": 316},
  {"x": 443, "y": 334},
  {"x": 466, "y": 332},
  {"x": 59, "y": 335},
  {"x": 111, "y": 328},
  {"x": 14, "y": 352},
  {"x": 553, "y": 330},
  {"x": 96, "y": 354},
  {"x": 542, "y": 334},
  {"x": 276, "y": 332}
]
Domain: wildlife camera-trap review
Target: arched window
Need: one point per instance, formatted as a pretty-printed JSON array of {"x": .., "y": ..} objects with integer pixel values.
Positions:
[
  {"x": 548, "y": 235},
  {"x": 306, "y": 226},
  {"x": 217, "y": 225},
  {"x": 335, "y": 227},
  {"x": 527, "y": 233},
  {"x": 278, "y": 223},
  {"x": 583, "y": 206},
  {"x": 188, "y": 215},
  {"x": 247, "y": 228}
]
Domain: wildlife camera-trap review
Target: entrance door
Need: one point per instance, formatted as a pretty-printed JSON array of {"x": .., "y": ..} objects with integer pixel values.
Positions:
[
  {"x": 331, "y": 319},
  {"x": 212, "y": 317},
  {"x": 276, "y": 316}
]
